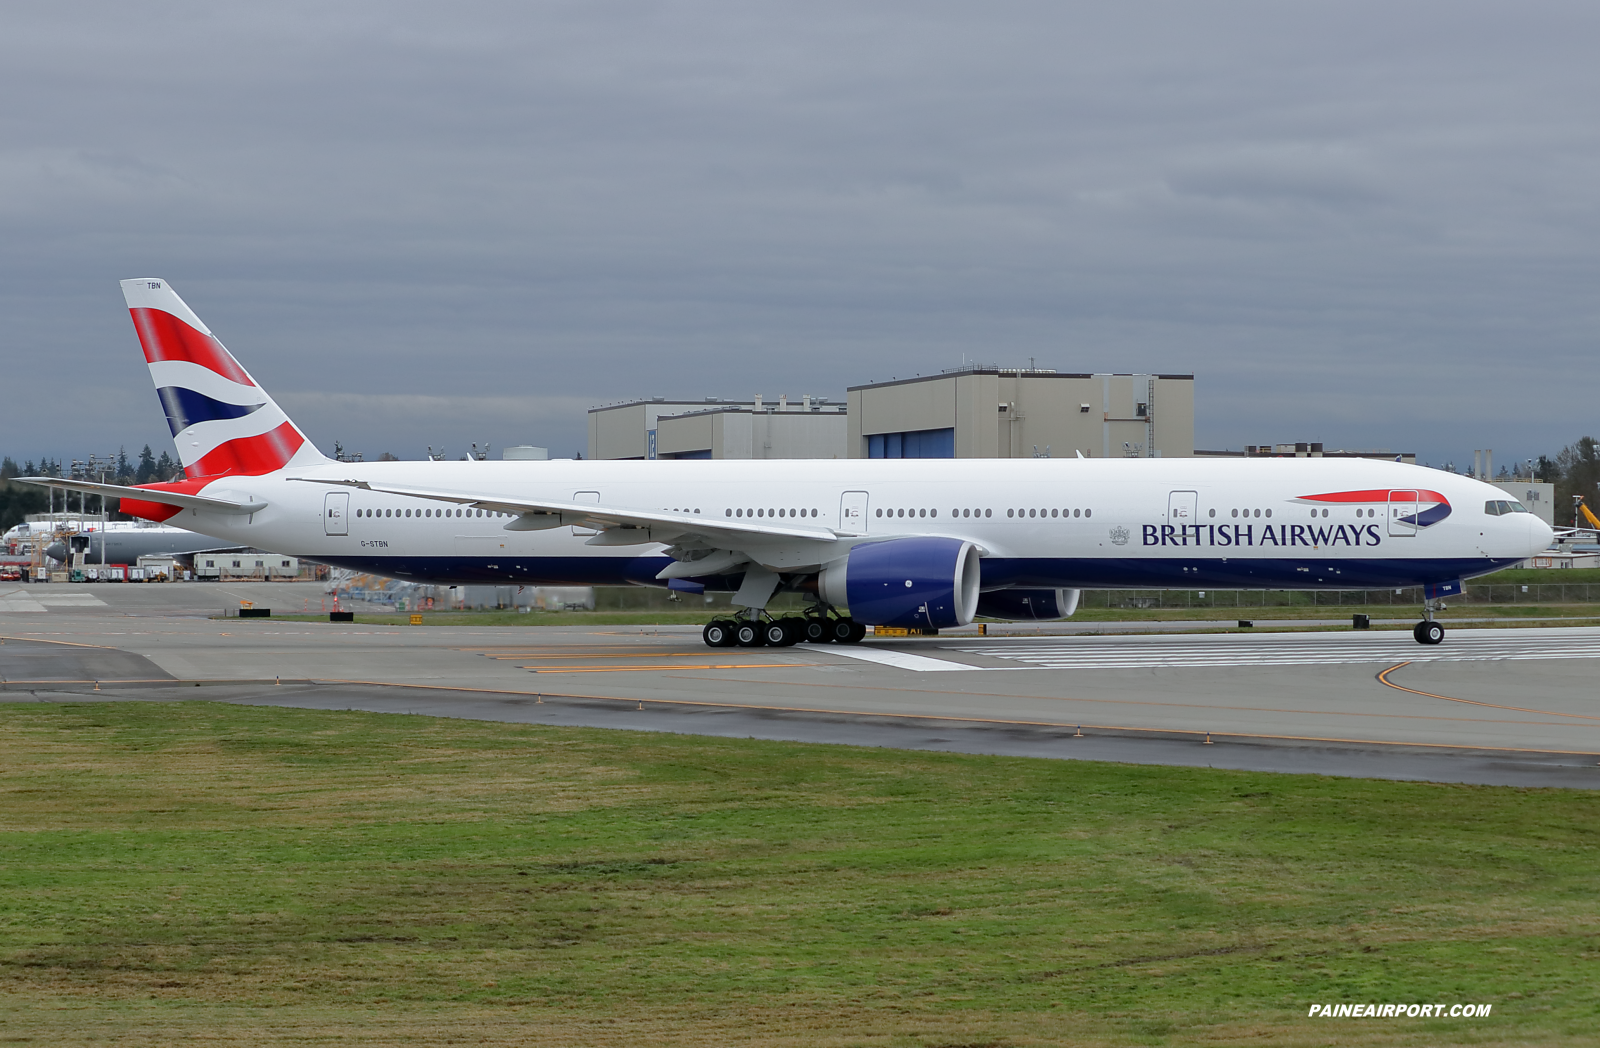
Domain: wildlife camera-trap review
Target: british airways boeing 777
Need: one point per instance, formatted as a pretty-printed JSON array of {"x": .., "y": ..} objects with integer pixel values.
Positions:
[{"x": 916, "y": 543}]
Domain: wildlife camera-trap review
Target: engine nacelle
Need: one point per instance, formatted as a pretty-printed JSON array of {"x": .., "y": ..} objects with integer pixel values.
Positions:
[
  {"x": 1029, "y": 604},
  {"x": 906, "y": 582}
]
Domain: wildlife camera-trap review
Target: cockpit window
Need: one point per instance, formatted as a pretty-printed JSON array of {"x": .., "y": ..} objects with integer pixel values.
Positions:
[
  {"x": 1492, "y": 508},
  {"x": 1517, "y": 507},
  {"x": 1500, "y": 508}
]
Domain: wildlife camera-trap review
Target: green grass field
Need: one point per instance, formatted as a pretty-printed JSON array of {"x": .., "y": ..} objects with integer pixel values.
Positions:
[{"x": 200, "y": 873}]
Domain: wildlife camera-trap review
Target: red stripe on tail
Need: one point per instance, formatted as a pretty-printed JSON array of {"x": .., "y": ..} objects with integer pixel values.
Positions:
[
  {"x": 250, "y": 456},
  {"x": 165, "y": 337}
]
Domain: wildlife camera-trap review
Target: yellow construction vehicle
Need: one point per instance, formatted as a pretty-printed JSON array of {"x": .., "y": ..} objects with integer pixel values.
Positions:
[{"x": 1581, "y": 513}]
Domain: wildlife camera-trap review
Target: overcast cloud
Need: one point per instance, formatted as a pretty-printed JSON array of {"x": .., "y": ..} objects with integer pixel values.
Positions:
[{"x": 1365, "y": 224}]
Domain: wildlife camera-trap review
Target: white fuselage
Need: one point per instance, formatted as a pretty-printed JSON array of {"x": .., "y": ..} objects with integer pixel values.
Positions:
[{"x": 1039, "y": 522}]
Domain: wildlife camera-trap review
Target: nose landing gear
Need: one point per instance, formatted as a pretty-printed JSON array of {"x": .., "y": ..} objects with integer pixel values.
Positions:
[{"x": 1428, "y": 631}]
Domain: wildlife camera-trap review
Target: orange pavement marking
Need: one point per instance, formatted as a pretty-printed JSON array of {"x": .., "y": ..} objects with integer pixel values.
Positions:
[{"x": 1383, "y": 678}]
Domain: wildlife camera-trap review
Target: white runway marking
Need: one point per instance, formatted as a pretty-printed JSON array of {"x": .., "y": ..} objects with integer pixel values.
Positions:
[
  {"x": 18, "y": 599},
  {"x": 69, "y": 600},
  {"x": 899, "y": 659},
  {"x": 1085, "y": 653},
  {"x": 22, "y": 599}
]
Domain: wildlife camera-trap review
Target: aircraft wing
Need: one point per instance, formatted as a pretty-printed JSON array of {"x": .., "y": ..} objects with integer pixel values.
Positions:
[
  {"x": 170, "y": 498},
  {"x": 616, "y": 526}
]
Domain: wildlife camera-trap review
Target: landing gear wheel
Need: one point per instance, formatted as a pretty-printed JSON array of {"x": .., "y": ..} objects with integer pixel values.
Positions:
[
  {"x": 839, "y": 631},
  {"x": 719, "y": 634},
  {"x": 749, "y": 634},
  {"x": 782, "y": 633},
  {"x": 1428, "y": 632},
  {"x": 857, "y": 631},
  {"x": 815, "y": 631}
]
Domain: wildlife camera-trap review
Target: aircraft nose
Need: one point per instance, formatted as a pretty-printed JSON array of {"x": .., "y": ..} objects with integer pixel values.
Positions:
[{"x": 1540, "y": 535}]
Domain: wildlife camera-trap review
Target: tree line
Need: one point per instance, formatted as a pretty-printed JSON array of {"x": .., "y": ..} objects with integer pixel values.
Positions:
[{"x": 147, "y": 468}]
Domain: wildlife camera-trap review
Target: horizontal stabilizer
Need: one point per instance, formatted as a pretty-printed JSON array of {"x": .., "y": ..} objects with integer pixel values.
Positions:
[{"x": 169, "y": 498}]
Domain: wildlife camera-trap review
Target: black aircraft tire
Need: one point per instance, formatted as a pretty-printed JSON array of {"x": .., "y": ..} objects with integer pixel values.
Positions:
[
  {"x": 839, "y": 631},
  {"x": 815, "y": 631},
  {"x": 750, "y": 635},
  {"x": 857, "y": 631},
  {"x": 1429, "y": 633},
  {"x": 718, "y": 633}
]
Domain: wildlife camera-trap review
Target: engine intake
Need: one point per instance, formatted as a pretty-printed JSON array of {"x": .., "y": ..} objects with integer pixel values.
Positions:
[
  {"x": 1029, "y": 604},
  {"x": 906, "y": 582}
]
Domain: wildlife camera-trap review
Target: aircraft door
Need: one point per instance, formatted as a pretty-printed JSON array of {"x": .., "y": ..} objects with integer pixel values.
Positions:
[
  {"x": 1183, "y": 508},
  {"x": 853, "y": 512},
  {"x": 1402, "y": 513},
  {"x": 336, "y": 513},
  {"x": 585, "y": 496}
]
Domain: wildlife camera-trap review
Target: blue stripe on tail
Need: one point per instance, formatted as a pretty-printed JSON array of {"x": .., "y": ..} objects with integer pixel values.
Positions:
[{"x": 185, "y": 407}]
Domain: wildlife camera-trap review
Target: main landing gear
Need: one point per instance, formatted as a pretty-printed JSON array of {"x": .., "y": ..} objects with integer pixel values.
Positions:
[
  {"x": 1428, "y": 631},
  {"x": 760, "y": 630}
]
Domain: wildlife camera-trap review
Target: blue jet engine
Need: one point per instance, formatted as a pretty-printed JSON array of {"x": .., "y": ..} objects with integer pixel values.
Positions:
[
  {"x": 1029, "y": 604},
  {"x": 906, "y": 582}
]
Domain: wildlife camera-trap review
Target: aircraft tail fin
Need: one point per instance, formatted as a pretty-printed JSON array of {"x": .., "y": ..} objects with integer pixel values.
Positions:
[{"x": 222, "y": 421}]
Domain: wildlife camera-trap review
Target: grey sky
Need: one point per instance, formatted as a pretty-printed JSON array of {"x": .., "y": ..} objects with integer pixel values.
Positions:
[{"x": 1366, "y": 224}]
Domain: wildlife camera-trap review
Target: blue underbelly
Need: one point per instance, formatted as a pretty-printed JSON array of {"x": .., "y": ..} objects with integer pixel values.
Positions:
[{"x": 1071, "y": 573}]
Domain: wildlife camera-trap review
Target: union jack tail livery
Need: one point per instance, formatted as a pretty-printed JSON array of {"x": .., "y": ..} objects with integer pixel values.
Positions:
[{"x": 223, "y": 422}]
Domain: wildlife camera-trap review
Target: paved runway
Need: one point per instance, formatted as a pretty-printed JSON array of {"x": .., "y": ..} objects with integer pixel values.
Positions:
[
  {"x": 1285, "y": 649},
  {"x": 1508, "y": 705}
]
